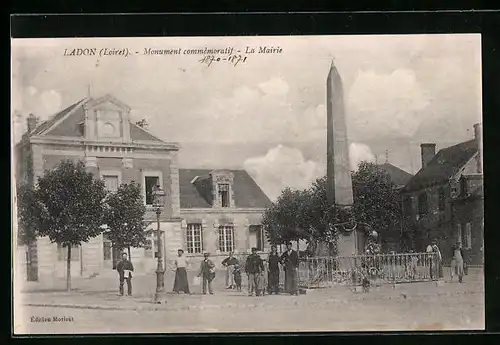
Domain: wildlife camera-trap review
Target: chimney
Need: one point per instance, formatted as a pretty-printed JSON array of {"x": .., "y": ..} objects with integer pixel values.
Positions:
[
  {"x": 478, "y": 136},
  {"x": 428, "y": 151},
  {"x": 32, "y": 122}
]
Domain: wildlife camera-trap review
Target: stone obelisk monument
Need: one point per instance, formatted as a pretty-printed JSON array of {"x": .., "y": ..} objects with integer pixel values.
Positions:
[{"x": 339, "y": 183}]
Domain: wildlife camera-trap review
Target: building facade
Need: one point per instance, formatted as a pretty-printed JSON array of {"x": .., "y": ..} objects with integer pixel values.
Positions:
[
  {"x": 222, "y": 212},
  {"x": 100, "y": 133},
  {"x": 441, "y": 199}
]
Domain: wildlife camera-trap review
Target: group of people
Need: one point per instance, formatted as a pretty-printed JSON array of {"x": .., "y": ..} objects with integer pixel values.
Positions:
[
  {"x": 457, "y": 267},
  {"x": 262, "y": 274}
]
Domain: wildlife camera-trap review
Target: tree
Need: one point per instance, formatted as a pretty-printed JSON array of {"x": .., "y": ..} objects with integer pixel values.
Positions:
[
  {"x": 124, "y": 217},
  {"x": 28, "y": 210},
  {"x": 376, "y": 201},
  {"x": 69, "y": 207},
  {"x": 307, "y": 214},
  {"x": 283, "y": 219}
]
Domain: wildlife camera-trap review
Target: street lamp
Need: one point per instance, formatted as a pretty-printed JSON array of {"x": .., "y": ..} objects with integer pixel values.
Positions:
[{"x": 158, "y": 202}]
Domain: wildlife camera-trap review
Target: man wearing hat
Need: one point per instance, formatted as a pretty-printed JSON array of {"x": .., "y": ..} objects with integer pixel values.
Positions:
[
  {"x": 207, "y": 272},
  {"x": 290, "y": 260},
  {"x": 254, "y": 267},
  {"x": 125, "y": 269}
]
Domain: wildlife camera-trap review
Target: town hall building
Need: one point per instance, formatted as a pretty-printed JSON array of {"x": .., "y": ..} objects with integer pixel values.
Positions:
[{"x": 204, "y": 210}]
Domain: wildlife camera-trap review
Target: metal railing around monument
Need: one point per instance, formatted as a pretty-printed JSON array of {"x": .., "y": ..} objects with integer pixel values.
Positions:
[{"x": 315, "y": 272}]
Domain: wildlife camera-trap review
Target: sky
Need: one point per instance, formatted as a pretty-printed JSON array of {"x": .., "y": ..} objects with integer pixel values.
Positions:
[{"x": 268, "y": 114}]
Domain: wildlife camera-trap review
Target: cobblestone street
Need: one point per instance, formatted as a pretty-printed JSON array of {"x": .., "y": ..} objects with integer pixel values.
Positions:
[{"x": 96, "y": 309}]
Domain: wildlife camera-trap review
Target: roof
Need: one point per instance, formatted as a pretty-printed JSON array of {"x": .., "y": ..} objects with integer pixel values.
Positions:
[
  {"x": 398, "y": 176},
  {"x": 196, "y": 193},
  {"x": 445, "y": 164},
  {"x": 69, "y": 119},
  {"x": 54, "y": 118}
]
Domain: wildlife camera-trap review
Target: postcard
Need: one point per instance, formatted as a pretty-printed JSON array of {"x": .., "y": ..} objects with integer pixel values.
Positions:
[{"x": 247, "y": 184}]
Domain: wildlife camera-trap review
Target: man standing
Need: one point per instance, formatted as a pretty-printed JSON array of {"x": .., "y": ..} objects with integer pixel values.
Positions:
[
  {"x": 274, "y": 271},
  {"x": 125, "y": 269},
  {"x": 229, "y": 263},
  {"x": 254, "y": 267},
  {"x": 207, "y": 271},
  {"x": 290, "y": 261}
]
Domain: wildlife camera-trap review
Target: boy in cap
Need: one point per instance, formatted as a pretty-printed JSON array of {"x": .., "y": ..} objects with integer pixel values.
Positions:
[
  {"x": 254, "y": 267},
  {"x": 237, "y": 276}
]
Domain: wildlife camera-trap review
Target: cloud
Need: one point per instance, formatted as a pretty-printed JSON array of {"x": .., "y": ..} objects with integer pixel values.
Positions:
[
  {"x": 282, "y": 167},
  {"x": 50, "y": 103},
  {"x": 32, "y": 90},
  {"x": 275, "y": 86},
  {"x": 358, "y": 153},
  {"x": 386, "y": 105}
]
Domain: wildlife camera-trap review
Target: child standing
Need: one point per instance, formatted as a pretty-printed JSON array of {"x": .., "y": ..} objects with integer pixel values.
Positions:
[{"x": 237, "y": 276}]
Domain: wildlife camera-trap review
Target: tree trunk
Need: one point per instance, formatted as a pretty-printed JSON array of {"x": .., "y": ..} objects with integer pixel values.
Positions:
[
  {"x": 68, "y": 269},
  {"x": 129, "y": 257}
]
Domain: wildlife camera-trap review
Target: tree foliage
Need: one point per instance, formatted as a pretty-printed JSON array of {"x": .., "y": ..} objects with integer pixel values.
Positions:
[
  {"x": 307, "y": 215},
  {"x": 28, "y": 211},
  {"x": 376, "y": 201},
  {"x": 142, "y": 123},
  {"x": 67, "y": 206},
  {"x": 124, "y": 217}
]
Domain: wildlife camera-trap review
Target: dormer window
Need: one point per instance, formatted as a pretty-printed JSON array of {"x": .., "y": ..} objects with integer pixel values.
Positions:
[
  {"x": 222, "y": 188},
  {"x": 224, "y": 194}
]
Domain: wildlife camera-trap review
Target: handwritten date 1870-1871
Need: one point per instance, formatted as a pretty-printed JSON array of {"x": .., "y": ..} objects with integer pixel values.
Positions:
[{"x": 231, "y": 59}]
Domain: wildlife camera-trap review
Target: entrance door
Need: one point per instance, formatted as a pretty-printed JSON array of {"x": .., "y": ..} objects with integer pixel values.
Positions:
[{"x": 109, "y": 253}]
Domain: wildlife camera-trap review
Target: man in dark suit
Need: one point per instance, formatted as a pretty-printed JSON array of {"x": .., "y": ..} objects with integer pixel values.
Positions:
[
  {"x": 290, "y": 261},
  {"x": 207, "y": 272},
  {"x": 125, "y": 269},
  {"x": 254, "y": 267},
  {"x": 274, "y": 271}
]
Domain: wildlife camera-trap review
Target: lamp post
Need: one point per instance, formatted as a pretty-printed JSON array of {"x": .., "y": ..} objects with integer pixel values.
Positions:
[{"x": 158, "y": 197}]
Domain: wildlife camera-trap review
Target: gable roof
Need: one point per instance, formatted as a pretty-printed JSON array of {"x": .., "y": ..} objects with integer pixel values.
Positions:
[
  {"x": 445, "y": 164},
  {"x": 139, "y": 133},
  {"x": 398, "y": 176},
  {"x": 56, "y": 117},
  {"x": 68, "y": 120},
  {"x": 247, "y": 194}
]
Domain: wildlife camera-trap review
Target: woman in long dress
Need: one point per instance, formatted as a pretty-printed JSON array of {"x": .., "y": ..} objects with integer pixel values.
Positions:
[{"x": 181, "y": 280}]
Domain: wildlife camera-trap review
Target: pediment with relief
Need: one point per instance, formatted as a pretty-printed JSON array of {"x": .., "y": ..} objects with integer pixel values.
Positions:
[{"x": 110, "y": 117}]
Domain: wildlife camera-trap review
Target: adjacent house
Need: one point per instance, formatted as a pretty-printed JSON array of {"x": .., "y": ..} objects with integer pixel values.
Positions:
[
  {"x": 222, "y": 212},
  {"x": 398, "y": 176},
  {"x": 216, "y": 211},
  {"x": 391, "y": 241},
  {"x": 444, "y": 201}
]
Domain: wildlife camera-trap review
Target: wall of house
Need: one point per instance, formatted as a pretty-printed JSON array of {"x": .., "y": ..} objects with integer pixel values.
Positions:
[
  {"x": 435, "y": 224},
  {"x": 471, "y": 167},
  {"x": 91, "y": 260},
  {"x": 471, "y": 210},
  {"x": 211, "y": 220}
]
